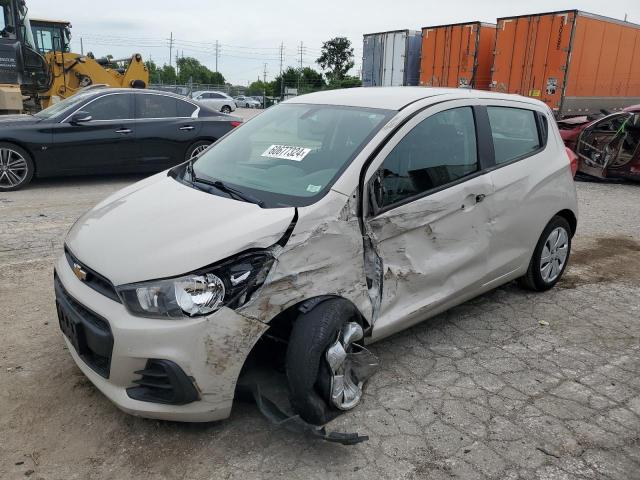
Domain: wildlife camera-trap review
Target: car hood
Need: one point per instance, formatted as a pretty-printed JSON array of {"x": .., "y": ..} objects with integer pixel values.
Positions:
[
  {"x": 8, "y": 120},
  {"x": 161, "y": 228}
]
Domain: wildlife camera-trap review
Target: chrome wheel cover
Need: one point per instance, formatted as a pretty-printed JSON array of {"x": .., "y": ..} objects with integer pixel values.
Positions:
[
  {"x": 554, "y": 254},
  {"x": 13, "y": 168},
  {"x": 351, "y": 365},
  {"x": 198, "y": 150}
]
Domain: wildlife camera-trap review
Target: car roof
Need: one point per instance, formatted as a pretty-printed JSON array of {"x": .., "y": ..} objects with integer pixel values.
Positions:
[
  {"x": 395, "y": 98},
  {"x": 137, "y": 91},
  {"x": 209, "y": 91}
]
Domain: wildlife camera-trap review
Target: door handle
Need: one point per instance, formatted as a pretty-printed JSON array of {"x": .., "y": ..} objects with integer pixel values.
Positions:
[
  {"x": 188, "y": 127},
  {"x": 480, "y": 197},
  {"x": 124, "y": 130}
]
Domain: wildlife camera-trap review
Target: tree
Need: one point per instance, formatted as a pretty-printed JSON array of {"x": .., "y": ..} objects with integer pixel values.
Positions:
[
  {"x": 168, "y": 74},
  {"x": 306, "y": 80},
  {"x": 192, "y": 70},
  {"x": 259, "y": 88},
  {"x": 154, "y": 71},
  {"x": 346, "y": 82},
  {"x": 337, "y": 57}
]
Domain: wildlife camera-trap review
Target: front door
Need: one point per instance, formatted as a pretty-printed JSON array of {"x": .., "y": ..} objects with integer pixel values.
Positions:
[
  {"x": 429, "y": 220},
  {"x": 105, "y": 144}
]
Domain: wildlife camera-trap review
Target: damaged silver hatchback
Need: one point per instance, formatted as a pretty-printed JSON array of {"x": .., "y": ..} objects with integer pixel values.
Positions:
[{"x": 324, "y": 224}]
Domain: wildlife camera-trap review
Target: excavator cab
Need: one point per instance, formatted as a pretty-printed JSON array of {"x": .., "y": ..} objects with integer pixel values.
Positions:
[
  {"x": 23, "y": 70},
  {"x": 51, "y": 35}
]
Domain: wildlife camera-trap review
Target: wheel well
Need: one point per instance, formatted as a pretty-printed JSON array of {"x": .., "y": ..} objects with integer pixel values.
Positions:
[
  {"x": 271, "y": 348},
  {"x": 570, "y": 217}
]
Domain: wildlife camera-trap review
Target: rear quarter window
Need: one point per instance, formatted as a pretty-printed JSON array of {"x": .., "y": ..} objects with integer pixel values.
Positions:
[{"x": 515, "y": 133}]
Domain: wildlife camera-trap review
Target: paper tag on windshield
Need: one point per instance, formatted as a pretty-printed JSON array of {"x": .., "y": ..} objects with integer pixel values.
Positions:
[{"x": 286, "y": 152}]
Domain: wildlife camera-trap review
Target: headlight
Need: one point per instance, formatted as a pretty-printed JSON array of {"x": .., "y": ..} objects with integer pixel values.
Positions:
[{"x": 230, "y": 283}]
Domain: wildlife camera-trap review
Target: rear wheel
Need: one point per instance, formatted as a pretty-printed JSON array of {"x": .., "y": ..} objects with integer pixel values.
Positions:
[
  {"x": 226, "y": 109},
  {"x": 16, "y": 167},
  {"x": 550, "y": 257},
  {"x": 197, "y": 148}
]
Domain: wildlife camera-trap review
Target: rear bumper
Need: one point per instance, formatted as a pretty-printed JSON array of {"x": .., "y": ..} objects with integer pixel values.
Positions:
[{"x": 209, "y": 350}]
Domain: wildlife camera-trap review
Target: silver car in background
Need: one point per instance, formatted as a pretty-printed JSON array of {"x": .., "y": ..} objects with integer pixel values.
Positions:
[
  {"x": 247, "y": 102},
  {"x": 214, "y": 99}
]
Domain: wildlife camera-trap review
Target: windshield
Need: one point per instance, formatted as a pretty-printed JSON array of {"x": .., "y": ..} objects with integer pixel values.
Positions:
[
  {"x": 291, "y": 153},
  {"x": 67, "y": 104}
]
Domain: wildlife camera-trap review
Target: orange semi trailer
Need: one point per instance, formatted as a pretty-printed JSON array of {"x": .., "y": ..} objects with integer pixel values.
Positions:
[
  {"x": 457, "y": 55},
  {"x": 575, "y": 62}
]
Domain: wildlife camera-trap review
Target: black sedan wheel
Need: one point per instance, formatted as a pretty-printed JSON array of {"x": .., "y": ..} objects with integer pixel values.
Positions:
[
  {"x": 197, "y": 148},
  {"x": 16, "y": 167}
]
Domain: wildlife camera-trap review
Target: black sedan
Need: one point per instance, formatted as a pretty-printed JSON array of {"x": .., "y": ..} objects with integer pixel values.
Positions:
[{"x": 104, "y": 131}]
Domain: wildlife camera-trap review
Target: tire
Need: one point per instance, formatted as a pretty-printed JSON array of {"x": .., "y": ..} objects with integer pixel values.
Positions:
[
  {"x": 306, "y": 366},
  {"x": 16, "y": 167},
  {"x": 197, "y": 148},
  {"x": 226, "y": 109},
  {"x": 535, "y": 279},
  {"x": 248, "y": 106}
]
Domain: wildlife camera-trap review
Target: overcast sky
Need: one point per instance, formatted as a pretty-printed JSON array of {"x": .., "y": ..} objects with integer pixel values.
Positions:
[{"x": 250, "y": 31}]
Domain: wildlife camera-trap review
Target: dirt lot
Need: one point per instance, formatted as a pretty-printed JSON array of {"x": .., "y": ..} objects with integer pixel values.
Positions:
[{"x": 483, "y": 391}]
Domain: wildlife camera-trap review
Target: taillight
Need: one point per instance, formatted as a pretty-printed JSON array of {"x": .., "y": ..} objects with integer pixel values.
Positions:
[
  {"x": 235, "y": 124},
  {"x": 573, "y": 160}
]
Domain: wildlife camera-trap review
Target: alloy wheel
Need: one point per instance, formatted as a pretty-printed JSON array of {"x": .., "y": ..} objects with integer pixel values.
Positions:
[
  {"x": 13, "y": 168},
  {"x": 198, "y": 150},
  {"x": 554, "y": 254}
]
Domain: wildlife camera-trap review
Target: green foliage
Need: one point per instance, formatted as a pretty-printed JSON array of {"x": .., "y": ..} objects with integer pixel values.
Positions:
[
  {"x": 190, "y": 69},
  {"x": 259, "y": 87},
  {"x": 336, "y": 57},
  {"x": 346, "y": 82}
]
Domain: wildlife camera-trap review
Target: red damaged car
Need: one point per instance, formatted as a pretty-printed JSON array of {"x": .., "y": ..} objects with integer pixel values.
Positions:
[{"x": 608, "y": 147}]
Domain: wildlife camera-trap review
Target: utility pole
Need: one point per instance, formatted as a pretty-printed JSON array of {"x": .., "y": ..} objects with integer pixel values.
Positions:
[
  {"x": 81, "y": 47},
  {"x": 170, "y": 48},
  {"x": 281, "y": 78},
  {"x": 300, "y": 51},
  {"x": 217, "y": 54},
  {"x": 264, "y": 87}
]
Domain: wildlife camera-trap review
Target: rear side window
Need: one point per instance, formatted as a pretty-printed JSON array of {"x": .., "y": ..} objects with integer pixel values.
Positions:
[
  {"x": 110, "y": 107},
  {"x": 156, "y": 106},
  {"x": 185, "y": 109},
  {"x": 514, "y": 132},
  {"x": 439, "y": 150}
]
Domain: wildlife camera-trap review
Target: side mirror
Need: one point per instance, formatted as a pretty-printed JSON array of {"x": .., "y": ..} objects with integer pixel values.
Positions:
[{"x": 80, "y": 117}]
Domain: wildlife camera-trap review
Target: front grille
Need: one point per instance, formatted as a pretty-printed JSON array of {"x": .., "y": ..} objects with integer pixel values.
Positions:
[
  {"x": 162, "y": 381},
  {"x": 94, "y": 279},
  {"x": 89, "y": 333}
]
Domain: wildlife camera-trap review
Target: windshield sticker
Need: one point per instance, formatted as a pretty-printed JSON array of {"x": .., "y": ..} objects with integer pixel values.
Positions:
[
  {"x": 314, "y": 188},
  {"x": 286, "y": 152}
]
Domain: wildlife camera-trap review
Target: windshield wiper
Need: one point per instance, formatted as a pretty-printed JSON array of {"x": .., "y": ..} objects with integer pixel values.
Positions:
[{"x": 245, "y": 197}]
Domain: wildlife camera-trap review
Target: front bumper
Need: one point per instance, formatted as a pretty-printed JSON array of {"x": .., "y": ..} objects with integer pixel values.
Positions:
[{"x": 210, "y": 350}]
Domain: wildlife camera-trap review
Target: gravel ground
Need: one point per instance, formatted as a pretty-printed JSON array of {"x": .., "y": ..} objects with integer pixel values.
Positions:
[{"x": 483, "y": 391}]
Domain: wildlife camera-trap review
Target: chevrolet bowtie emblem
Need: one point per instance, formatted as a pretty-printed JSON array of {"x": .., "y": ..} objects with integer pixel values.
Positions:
[{"x": 79, "y": 272}]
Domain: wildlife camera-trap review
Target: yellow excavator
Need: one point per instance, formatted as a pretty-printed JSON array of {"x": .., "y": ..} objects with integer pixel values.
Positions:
[{"x": 38, "y": 69}]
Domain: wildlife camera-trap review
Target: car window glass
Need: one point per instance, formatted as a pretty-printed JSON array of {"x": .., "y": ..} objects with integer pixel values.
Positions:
[
  {"x": 514, "y": 132},
  {"x": 439, "y": 150},
  {"x": 215, "y": 95},
  {"x": 185, "y": 109},
  {"x": 110, "y": 107},
  {"x": 155, "y": 106}
]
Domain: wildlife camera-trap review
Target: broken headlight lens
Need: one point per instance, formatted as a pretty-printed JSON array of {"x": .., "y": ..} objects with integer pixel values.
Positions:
[{"x": 230, "y": 284}]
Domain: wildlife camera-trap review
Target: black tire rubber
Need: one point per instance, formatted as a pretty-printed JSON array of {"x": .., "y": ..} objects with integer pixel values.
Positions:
[
  {"x": 532, "y": 280},
  {"x": 226, "y": 109},
  {"x": 30, "y": 166},
  {"x": 311, "y": 335},
  {"x": 247, "y": 105},
  {"x": 195, "y": 145}
]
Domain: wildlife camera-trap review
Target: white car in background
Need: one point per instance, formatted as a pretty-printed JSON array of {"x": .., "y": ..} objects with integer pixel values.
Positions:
[
  {"x": 247, "y": 102},
  {"x": 218, "y": 100}
]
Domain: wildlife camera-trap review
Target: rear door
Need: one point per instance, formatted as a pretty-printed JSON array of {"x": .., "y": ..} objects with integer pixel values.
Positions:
[
  {"x": 165, "y": 128},
  {"x": 105, "y": 144},
  {"x": 526, "y": 166},
  {"x": 429, "y": 222}
]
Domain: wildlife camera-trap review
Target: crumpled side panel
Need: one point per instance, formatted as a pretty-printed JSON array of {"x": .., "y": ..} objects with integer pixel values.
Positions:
[{"x": 324, "y": 256}]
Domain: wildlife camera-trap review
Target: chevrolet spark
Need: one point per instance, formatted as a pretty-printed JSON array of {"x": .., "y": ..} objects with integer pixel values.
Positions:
[{"x": 327, "y": 223}]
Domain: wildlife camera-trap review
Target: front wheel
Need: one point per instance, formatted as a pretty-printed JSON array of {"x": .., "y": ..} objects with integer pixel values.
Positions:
[
  {"x": 550, "y": 257},
  {"x": 226, "y": 109},
  {"x": 16, "y": 167}
]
